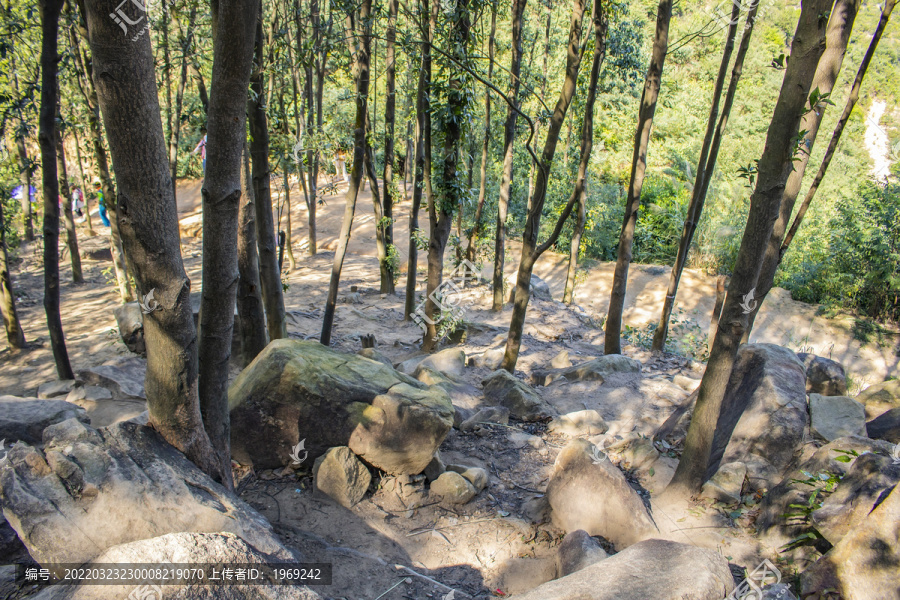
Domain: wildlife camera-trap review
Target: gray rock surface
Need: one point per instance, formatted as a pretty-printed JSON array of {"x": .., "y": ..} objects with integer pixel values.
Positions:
[
  {"x": 340, "y": 475},
  {"x": 833, "y": 417},
  {"x": 652, "y": 569},
  {"x": 577, "y": 551},
  {"x": 453, "y": 488},
  {"x": 880, "y": 398},
  {"x": 885, "y": 427},
  {"x": 523, "y": 402},
  {"x": 823, "y": 375},
  {"x": 24, "y": 419},
  {"x": 593, "y": 370},
  {"x": 98, "y": 488}
]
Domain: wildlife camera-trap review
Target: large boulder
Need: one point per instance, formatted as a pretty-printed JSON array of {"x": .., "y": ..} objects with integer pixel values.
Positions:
[
  {"x": 886, "y": 427},
  {"x": 776, "y": 530},
  {"x": 598, "y": 369},
  {"x": 461, "y": 393},
  {"x": 341, "y": 476},
  {"x": 869, "y": 480},
  {"x": 299, "y": 390},
  {"x": 865, "y": 564},
  {"x": 130, "y": 320},
  {"x": 200, "y": 550},
  {"x": 24, "y": 419},
  {"x": 503, "y": 389},
  {"x": 823, "y": 375},
  {"x": 764, "y": 414},
  {"x": 539, "y": 290},
  {"x": 586, "y": 491},
  {"x": 91, "y": 489},
  {"x": 880, "y": 398},
  {"x": 657, "y": 569},
  {"x": 832, "y": 417}
]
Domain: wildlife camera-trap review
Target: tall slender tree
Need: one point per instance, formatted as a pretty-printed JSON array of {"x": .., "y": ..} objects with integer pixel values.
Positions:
[
  {"x": 471, "y": 243},
  {"x": 50, "y": 11},
  {"x": 775, "y": 166},
  {"x": 531, "y": 250},
  {"x": 449, "y": 192},
  {"x": 852, "y": 99},
  {"x": 124, "y": 72},
  {"x": 708, "y": 155},
  {"x": 840, "y": 26},
  {"x": 360, "y": 25},
  {"x": 249, "y": 297},
  {"x": 509, "y": 137},
  {"x": 390, "y": 103},
  {"x": 612, "y": 340},
  {"x": 269, "y": 273},
  {"x": 15, "y": 335},
  {"x": 65, "y": 195},
  {"x": 233, "y": 46}
]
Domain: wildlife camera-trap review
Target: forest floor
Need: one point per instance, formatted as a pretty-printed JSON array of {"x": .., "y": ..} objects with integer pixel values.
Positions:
[{"x": 487, "y": 543}]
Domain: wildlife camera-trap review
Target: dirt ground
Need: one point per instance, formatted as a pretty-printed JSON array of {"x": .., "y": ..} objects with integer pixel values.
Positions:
[{"x": 398, "y": 535}]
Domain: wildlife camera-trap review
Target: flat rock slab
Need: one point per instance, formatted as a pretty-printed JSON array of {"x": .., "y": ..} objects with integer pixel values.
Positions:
[
  {"x": 192, "y": 548},
  {"x": 833, "y": 417},
  {"x": 91, "y": 489},
  {"x": 652, "y": 569},
  {"x": 885, "y": 427},
  {"x": 124, "y": 377},
  {"x": 24, "y": 419}
]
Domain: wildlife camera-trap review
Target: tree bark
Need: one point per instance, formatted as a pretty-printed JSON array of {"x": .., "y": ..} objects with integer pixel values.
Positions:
[
  {"x": 423, "y": 122},
  {"x": 531, "y": 251},
  {"x": 269, "y": 274},
  {"x": 472, "y": 242},
  {"x": 839, "y": 128},
  {"x": 509, "y": 137},
  {"x": 232, "y": 61},
  {"x": 442, "y": 204},
  {"x": 249, "y": 298},
  {"x": 47, "y": 137},
  {"x": 575, "y": 247},
  {"x": 717, "y": 311},
  {"x": 840, "y": 26},
  {"x": 359, "y": 157},
  {"x": 66, "y": 195},
  {"x": 124, "y": 73},
  {"x": 387, "y": 273},
  {"x": 612, "y": 339},
  {"x": 706, "y": 165},
  {"x": 15, "y": 335},
  {"x": 775, "y": 166}
]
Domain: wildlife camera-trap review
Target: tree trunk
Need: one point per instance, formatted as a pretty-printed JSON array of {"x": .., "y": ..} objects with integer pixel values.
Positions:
[
  {"x": 49, "y": 11},
  {"x": 575, "y": 247},
  {"x": 775, "y": 166},
  {"x": 472, "y": 242},
  {"x": 839, "y": 128},
  {"x": 15, "y": 336},
  {"x": 531, "y": 251},
  {"x": 423, "y": 121},
  {"x": 387, "y": 273},
  {"x": 249, "y": 298},
  {"x": 201, "y": 85},
  {"x": 509, "y": 137},
  {"x": 89, "y": 93},
  {"x": 717, "y": 311},
  {"x": 442, "y": 205},
  {"x": 706, "y": 164},
  {"x": 184, "y": 38},
  {"x": 128, "y": 97},
  {"x": 25, "y": 181},
  {"x": 356, "y": 173},
  {"x": 840, "y": 26},
  {"x": 269, "y": 274},
  {"x": 612, "y": 342},
  {"x": 232, "y": 60},
  {"x": 66, "y": 195}
]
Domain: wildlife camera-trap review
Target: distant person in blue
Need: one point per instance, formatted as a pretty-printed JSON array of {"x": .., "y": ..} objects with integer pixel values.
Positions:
[
  {"x": 101, "y": 202},
  {"x": 17, "y": 193}
]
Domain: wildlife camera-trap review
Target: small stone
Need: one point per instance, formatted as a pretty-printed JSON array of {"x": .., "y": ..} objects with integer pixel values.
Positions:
[
  {"x": 477, "y": 476},
  {"x": 582, "y": 422},
  {"x": 561, "y": 360},
  {"x": 536, "y": 509},
  {"x": 54, "y": 389},
  {"x": 577, "y": 551},
  {"x": 453, "y": 488},
  {"x": 727, "y": 483},
  {"x": 520, "y": 439},
  {"x": 435, "y": 468},
  {"x": 340, "y": 475}
]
